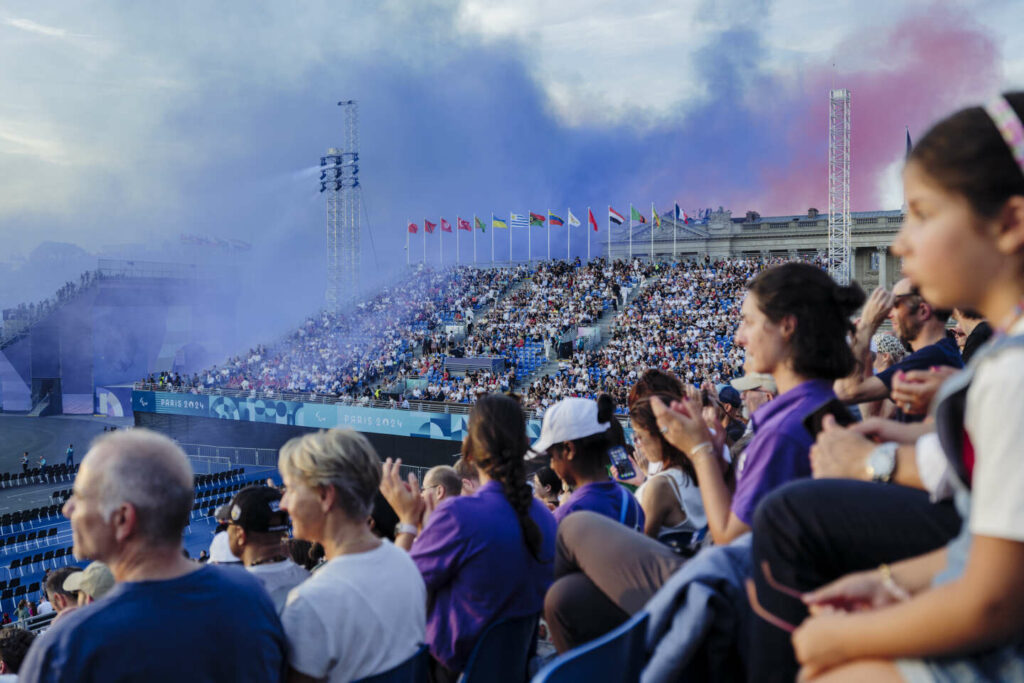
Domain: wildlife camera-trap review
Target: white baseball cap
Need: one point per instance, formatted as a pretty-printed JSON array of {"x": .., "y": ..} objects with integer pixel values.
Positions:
[
  {"x": 755, "y": 380},
  {"x": 567, "y": 420}
]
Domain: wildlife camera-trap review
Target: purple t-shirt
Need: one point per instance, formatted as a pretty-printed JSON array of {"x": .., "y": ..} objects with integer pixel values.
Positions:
[
  {"x": 780, "y": 450},
  {"x": 608, "y": 498},
  {"x": 478, "y": 569}
]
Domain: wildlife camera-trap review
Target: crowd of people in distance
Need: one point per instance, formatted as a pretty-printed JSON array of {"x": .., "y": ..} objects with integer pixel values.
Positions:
[
  {"x": 27, "y": 314},
  {"x": 765, "y": 531}
]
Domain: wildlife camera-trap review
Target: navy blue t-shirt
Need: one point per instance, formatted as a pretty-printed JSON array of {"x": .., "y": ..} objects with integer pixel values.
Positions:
[
  {"x": 942, "y": 352},
  {"x": 214, "y": 624}
]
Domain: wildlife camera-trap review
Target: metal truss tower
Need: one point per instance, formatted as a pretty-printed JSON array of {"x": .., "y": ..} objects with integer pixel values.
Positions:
[
  {"x": 339, "y": 178},
  {"x": 839, "y": 257}
]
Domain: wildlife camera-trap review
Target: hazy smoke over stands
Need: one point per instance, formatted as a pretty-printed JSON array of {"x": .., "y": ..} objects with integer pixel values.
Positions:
[{"x": 451, "y": 124}]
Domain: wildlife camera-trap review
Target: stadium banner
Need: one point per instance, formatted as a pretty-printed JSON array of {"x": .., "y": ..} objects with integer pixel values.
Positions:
[{"x": 410, "y": 423}]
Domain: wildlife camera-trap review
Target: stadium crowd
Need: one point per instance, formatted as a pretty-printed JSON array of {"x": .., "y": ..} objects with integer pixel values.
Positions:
[{"x": 814, "y": 546}]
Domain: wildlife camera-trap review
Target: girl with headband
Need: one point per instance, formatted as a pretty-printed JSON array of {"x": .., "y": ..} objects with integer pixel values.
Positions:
[{"x": 956, "y": 614}]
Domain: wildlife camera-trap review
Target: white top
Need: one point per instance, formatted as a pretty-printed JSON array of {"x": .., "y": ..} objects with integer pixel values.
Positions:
[
  {"x": 690, "y": 501},
  {"x": 358, "y": 615},
  {"x": 933, "y": 467},
  {"x": 279, "y": 578},
  {"x": 995, "y": 403}
]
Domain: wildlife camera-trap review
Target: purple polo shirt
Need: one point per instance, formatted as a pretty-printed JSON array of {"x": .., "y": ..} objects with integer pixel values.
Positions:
[
  {"x": 780, "y": 450},
  {"x": 608, "y": 498},
  {"x": 477, "y": 569}
]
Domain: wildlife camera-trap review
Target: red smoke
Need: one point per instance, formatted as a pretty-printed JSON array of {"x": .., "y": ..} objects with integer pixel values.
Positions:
[{"x": 922, "y": 68}]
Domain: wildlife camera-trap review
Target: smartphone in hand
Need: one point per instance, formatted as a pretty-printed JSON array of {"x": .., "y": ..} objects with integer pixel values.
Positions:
[
  {"x": 619, "y": 458},
  {"x": 833, "y": 407}
]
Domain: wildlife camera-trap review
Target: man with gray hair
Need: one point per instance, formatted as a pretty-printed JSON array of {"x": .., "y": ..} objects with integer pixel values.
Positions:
[{"x": 164, "y": 619}]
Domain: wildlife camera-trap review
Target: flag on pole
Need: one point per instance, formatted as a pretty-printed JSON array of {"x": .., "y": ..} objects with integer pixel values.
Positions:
[
  {"x": 428, "y": 226},
  {"x": 681, "y": 216},
  {"x": 479, "y": 224},
  {"x": 536, "y": 219},
  {"x": 615, "y": 217},
  {"x": 554, "y": 220},
  {"x": 413, "y": 228},
  {"x": 636, "y": 215},
  {"x": 656, "y": 217},
  {"x": 518, "y": 220},
  {"x": 445, "y": 226},
  {"x": 573, "y": 221},
  {"x": 465, "y": 225},
  {"x": 592, "y": 220},
  {"x": 498, "y": 223}
]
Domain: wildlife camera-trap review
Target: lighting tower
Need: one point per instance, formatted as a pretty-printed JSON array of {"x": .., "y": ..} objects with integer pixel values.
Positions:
[
  {"x": 339, "y": 178},
  {"x": 839, "y": 258}
]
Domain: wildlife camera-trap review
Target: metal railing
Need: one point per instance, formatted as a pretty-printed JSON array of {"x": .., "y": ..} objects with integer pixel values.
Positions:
[
  {"x": 229, "y": 456},
  {"x": 208, "y": 464}
]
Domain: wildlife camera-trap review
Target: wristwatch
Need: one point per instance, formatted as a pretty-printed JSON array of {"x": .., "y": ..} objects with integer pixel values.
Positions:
[
  {"x": 882, "y": 462},
  {"x": 403, "y": 528}
]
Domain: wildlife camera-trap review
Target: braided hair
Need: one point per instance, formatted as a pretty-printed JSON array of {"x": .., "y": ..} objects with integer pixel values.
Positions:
[{"x": 496, "y": 441}]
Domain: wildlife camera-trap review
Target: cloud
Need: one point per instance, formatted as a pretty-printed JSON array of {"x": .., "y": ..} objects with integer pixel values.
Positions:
[{"x": 32, "y": 27}]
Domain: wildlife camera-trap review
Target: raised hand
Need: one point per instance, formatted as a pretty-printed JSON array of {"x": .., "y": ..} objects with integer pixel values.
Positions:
[{"x": 403, "y": 496}]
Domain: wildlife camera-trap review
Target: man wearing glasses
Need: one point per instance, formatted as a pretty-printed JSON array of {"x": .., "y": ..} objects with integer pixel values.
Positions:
[{"x": 917, "y": 324}]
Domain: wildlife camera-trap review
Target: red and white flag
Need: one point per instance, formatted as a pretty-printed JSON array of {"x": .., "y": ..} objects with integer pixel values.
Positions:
[
  {"x": 464, "y": 225},
  {"x": 428, "y": 226},
  {"x": 446, "y": 226},
  {"x": 615, "y": 217}
]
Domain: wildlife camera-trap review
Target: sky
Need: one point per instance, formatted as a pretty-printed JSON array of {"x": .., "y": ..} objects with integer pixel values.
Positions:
[{"x": 125, "y": 123}]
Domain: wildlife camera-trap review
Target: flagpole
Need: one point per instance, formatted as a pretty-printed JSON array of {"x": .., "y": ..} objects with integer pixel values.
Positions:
[
  {"x": 474, "y": 239},
  {"x": 610, "y": 233},
  {"x": 549, "y": 234},
  {"x": 568, "y": 232},
  {"x": 424, "y": 241},
  {"x": 630, "y": 224},
  {"x": 588, "y": 234},
  {"x": 675, "y": 229},
  {"x": 458, "y": 229},
  {"x": 492, "y": 238},
  {"x": 529, "y": 238},
  {"x": 652, "y": 232},
  {"x": 408, "y": 262},
  {"x": 510, "y": 238},
  {"x": 440, "y": 242}
]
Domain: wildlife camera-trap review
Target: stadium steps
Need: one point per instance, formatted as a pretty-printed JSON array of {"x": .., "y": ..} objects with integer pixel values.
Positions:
[{"x": 40, "y": 409}]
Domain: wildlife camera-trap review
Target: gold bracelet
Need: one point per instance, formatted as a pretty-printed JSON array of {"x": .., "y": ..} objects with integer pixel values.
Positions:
[{"x": 890, "y": 584}]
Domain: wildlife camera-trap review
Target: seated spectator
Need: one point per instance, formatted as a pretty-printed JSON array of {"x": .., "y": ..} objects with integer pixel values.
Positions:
[
  {"x": 363, "y": 611},
  {"x": 575, "y": 437},
  {"x": 732, "y": 421},
  {"x": 547, "y": 486},
  {"x": 45, "y": 607},
  {"x": 971, "y": 332},
  {"x": 956, "y": 613},
  {"x": 484, "y": 557},
  {"x": 91, "y": 584},
  {"x": 469, "y": 475},
  {"x": 53, "y": 587},
  {"x": 917, "y": 324},
  {"x": 794, "y": 326},
  {"x": 441, "y": 483},
  {"x": 673, "y": 508},
  {"x": 132, "y": 499},
  {"x": 14, "y": 645},
  {"x": 257, "y": 530}
]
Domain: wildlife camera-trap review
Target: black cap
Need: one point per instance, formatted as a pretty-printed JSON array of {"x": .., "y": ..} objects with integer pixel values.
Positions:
[
  {"x": 255, "y": 508},
  {"x": 730, "y": 395}
]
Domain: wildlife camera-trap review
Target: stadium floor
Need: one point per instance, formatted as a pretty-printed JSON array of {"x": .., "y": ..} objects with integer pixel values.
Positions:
[{"x": 49, "y": 436}]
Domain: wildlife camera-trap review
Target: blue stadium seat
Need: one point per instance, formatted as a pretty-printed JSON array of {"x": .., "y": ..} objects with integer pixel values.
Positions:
[
  {"x": 502, "y": 654},
  {"x": 616, "y": 656},
  {"x": 412, "y": 670}
]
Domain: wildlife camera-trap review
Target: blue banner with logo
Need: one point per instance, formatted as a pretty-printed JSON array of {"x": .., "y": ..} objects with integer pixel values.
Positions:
[{"x": 447, "y": 426}]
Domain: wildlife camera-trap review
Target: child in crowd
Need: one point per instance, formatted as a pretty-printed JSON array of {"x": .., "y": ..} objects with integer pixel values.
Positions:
[{"x": 956, "y": 614}]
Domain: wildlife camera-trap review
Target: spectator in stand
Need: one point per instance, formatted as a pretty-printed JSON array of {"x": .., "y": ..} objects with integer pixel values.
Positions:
[
  {"x": 14, "y": 645},
  {"x": 956, "y": 613},
  {"x": 257, "y": 531},
  {"x": 732, "y": 422},
  {"x": 575, "y": 437},
  {"x": 794, "y": 325},
  {"x": 917, "y": 323},
  {"x": 363, "y": 611},
  {"x": 972, "y": 331},
  {"x": 546, "y": 487},
  {"x": 24, "y": 462},
  {"x": 69, "y": 456},
  {"x": 469, "y": 475},
  {"x": 441, "y": 483},
  {"x": 45, "y": 607},
  {"x": 91, "y": 584},
  {"x": 672, "y": 503},
  {"x": 22, "y": 613},
  {"x": 53, "y": 586},
  {"x": 486, "y": 556},
  {"x": 132, "y": 499}
]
